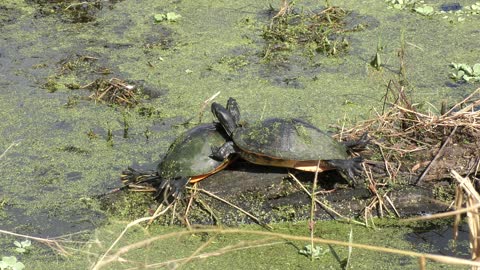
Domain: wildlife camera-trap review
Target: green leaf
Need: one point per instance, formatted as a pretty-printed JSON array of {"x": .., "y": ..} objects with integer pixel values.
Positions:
[
  {"x": 20, "y": 250},
  {"x": 468, "y": 78},
  {"x": 16, "y": 243},
  {"x": 424, "y": 10},
  {"x": 476, "y": 69},
  {"x": 173, "y": 17},
  {"x": 18, "y": 266},
  {"x": 10, "y": 261},
  {"x": 3, "y": 265},
  {"x": 468, "y": 69},
  {"x": 160, "y": 17}
]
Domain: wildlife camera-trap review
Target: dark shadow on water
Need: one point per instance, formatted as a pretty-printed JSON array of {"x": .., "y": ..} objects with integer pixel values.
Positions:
[{"x": 438, "y": 240}]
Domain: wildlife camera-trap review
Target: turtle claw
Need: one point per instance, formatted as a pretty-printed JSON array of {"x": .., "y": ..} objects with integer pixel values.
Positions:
[
  {"x": 171, "y": 189},
  {"x": 356, "y": 168},
  {"x": 353, "y": 167}
]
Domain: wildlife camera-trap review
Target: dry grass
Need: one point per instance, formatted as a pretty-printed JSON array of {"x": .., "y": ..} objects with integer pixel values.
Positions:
[
  {"x": 113, "y": 91},
  {"x": 413, "y": 143}
]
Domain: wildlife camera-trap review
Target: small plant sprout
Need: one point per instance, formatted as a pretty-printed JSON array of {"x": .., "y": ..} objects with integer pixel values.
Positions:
[
  {"x": 316, "y": 252},
  {"x": 377, "y": 60},
  {"x": 22, "y": 247},
  {"x": 11, "y": 263}
]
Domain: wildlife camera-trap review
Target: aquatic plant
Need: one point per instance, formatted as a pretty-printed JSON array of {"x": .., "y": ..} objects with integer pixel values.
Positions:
[
  {"x": 22, "y": 247},
  {"x": 11, "y": 263},
  {"x": 465, "y": 72},
  {"x": 314, "y": 252},
  {"x": 169, "y": 17},
  {"x": 317, "y": 31}
]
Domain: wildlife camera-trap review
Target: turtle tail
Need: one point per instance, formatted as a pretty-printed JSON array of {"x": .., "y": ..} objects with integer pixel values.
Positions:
[{"x": 171, "y": 189}]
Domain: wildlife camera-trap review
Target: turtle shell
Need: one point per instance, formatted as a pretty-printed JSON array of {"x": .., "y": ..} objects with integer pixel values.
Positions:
[
  {"x": 189, "y": 154},
  {"x": 281, "y": 140}
]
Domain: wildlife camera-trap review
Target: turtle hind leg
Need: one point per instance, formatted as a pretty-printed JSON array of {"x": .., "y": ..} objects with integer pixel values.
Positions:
[
  {"x": 171, "y": 189},
  {"x": 132, "y": 176},
  {"x": 353, "y": 167}
]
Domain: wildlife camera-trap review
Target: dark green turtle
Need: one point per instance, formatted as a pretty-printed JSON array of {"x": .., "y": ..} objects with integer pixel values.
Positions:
[
  {"x": 188, "y": 160},
  {"x": 291, "y": 143}
]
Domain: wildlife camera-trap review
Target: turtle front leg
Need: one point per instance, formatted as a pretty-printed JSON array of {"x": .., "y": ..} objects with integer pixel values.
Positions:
[
  {"x": 353, "y": 167},
  {"x": 223, "y": 152}
]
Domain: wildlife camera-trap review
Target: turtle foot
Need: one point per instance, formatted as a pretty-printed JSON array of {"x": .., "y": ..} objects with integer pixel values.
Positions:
[
  {"x": 353, "y": 167},
  {"x": 170, "y": 190}
]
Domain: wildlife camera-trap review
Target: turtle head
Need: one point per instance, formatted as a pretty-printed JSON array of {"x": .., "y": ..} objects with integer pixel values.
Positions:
[
  {"x": 234, "y": 110},
  {"x": 226, "y": 119}
]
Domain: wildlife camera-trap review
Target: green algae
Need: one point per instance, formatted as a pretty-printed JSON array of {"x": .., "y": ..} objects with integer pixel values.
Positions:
[{"x": 272, "y": 253}]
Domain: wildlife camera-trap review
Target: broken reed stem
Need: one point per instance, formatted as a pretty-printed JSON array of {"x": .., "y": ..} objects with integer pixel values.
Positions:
[
  {"x": 205, "y": 104},
  {"x": 195, "y": 253},
  {"x": 312, "y": 210},
  {"x": 439, "y": 154},
  {"x": 15, "y": 143},
  {"x": 473, "y": 220},
  {"x": 102, "y": 260},
  {"x": 49, "y": 242}
]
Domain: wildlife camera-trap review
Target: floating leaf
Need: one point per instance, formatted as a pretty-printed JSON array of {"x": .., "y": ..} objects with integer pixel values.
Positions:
[
  {"x": 10, "y": 260},
  {"x": 159, "y": 17},
  {"x": 315, "y": 252},
  {"x": 18, "y": 266},
  {"x": 170, "y": 17},
  {"x": 425, "y": 10},
  {"x": 476, "y": 69},
  {"x": 173, "y": 17}
]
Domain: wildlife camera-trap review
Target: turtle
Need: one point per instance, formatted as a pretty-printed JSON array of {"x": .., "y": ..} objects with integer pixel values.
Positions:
[
  {"x": 188, "y": 160},
  {"x": 284, "y": 142}
]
